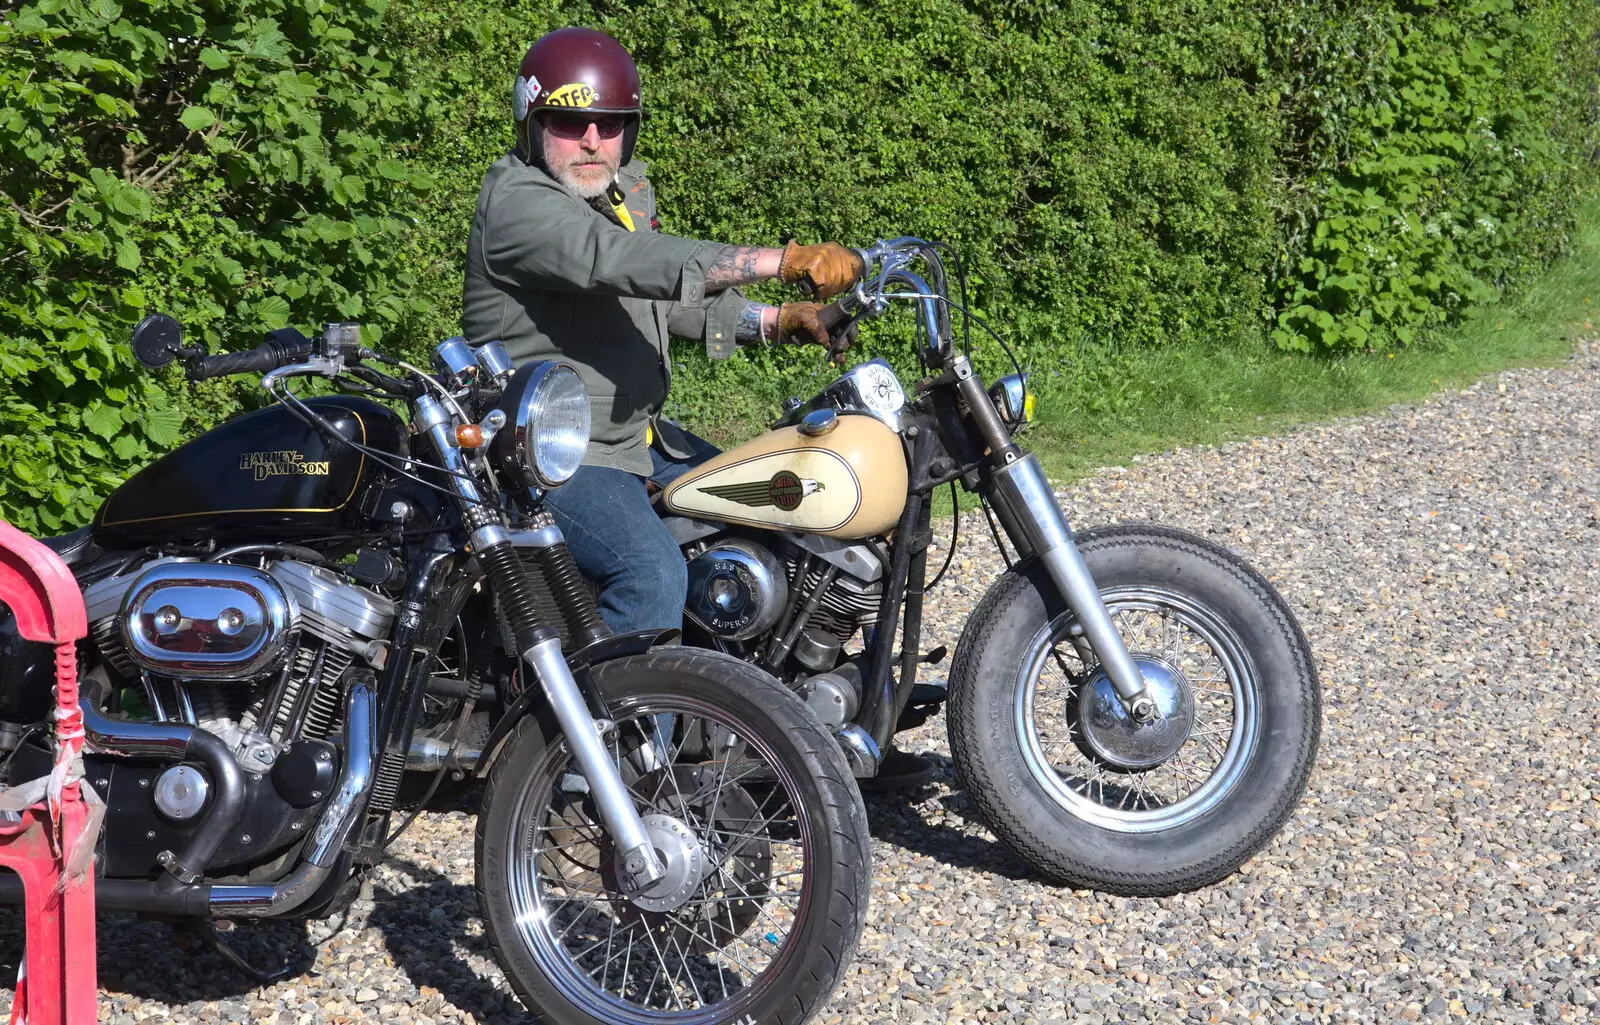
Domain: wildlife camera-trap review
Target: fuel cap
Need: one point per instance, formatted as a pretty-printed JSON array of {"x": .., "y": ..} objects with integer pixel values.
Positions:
[{"x": 818, "y": 422}]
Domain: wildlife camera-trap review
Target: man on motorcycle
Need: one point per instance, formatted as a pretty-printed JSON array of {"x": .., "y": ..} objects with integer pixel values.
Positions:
[{"x": 566, "y": 260}]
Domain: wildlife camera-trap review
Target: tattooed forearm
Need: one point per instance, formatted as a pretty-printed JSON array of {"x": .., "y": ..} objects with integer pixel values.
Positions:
[
  {"x": 742, "y": 265},
  {"x": 748, "y": 328}
]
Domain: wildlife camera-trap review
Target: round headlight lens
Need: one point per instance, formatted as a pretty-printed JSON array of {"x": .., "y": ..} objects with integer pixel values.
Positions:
[{"x": 558, "y": 426}]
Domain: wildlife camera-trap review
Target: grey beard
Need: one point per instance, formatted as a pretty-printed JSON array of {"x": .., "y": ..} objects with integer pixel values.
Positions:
[{"x": 572, "y": 185}]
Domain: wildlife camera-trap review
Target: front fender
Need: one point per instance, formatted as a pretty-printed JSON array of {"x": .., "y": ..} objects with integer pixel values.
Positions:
[{"x": 532, "y": 697}]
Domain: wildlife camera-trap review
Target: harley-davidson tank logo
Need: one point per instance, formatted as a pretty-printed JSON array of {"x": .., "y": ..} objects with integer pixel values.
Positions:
[
  {"x": 287, "y": 463},
  {"x": 784, "y": 490}
]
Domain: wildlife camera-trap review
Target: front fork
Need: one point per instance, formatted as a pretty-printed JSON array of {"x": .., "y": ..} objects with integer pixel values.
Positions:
[
  {"x": 639, "y": 866},
  {"x": 1028, "y": 511}
]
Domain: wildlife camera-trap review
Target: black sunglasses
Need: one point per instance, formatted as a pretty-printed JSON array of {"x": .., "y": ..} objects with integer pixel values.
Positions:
[{"x": 576, "y": 126}]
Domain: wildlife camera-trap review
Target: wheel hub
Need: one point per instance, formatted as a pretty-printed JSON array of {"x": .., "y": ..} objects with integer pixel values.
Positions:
[
  {"x": 1116, "y": 738},
  {"x": 680, "y": 852}
]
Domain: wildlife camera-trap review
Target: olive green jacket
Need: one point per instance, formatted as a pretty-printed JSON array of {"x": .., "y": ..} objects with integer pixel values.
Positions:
[{"x": 556, "y": 277}]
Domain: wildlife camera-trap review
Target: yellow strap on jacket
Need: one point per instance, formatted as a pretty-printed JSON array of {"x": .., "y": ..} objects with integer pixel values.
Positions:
[{"x": 621, "y": 209}]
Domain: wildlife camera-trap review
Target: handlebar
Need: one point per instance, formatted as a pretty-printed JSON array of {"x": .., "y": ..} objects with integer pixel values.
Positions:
[
  {"x": 266, "y": 357},
  {"x": 834, "y": 317}
]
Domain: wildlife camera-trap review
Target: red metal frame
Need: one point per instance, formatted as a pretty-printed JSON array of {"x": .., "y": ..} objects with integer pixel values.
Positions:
[{"x": 50, "y": 847}]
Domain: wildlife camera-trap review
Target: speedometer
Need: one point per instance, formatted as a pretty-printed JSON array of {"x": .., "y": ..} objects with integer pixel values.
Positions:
[{"x": 869, "y": 388}]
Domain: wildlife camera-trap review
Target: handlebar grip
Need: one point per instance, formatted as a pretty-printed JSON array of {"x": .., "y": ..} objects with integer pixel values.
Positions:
[
  {"x": 806, "y": 287},
  {"x": 263, "y": 358},
  {"x": 834, "y": 316}
]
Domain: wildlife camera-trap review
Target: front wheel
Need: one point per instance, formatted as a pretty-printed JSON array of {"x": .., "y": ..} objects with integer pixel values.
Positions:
[
  {"x": 756, "y": 817},
  {"x": 1082, "y": 793}
]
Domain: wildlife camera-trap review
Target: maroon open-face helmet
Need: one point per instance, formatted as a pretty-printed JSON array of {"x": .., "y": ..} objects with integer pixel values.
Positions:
[{"x": 576, "y": 69}]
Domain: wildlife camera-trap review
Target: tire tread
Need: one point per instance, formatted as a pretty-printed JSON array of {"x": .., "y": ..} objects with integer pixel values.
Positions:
[{"x": 967, "y": 734}]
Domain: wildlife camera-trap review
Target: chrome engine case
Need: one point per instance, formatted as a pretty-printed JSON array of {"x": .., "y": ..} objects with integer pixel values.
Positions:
[
  {"x": 252, "y": 655},
  {"x": 207, "y": 621},
  {"x": 737, "y": 589}
]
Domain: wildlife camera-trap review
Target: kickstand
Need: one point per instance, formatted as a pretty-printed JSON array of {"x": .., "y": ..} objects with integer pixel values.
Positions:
[{"x": 205, "y": 930}]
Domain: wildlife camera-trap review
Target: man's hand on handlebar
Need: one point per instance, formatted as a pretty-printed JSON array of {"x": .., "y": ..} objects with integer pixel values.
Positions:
[
  {"x": 810, "y": 323},
  {"x": 821, "y": 271}
]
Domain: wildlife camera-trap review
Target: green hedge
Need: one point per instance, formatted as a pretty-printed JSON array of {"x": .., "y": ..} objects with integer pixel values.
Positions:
[
  {"x": 1433, "y": 154},
  {"x": 1331, "y": 175},
  {"x": 230, "y": 163}
]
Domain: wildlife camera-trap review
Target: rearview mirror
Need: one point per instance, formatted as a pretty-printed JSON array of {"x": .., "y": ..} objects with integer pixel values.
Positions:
[{"x": 157, "y": 341}]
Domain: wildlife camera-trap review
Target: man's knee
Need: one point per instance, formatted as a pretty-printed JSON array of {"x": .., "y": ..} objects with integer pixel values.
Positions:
[
  {"x": 662, "y": 579},
  {"x": 647, "y": 592}
]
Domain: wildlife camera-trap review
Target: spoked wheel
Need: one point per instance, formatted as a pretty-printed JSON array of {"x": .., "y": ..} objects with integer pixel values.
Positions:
[
  {"x": 1079, "y": 742},
  {"x": 1090, "y": 797},
  {"x": 756, "y": 819}
]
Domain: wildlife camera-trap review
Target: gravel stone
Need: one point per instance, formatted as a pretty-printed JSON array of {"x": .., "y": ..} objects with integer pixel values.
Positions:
[{"x": 1444, "y": 559}]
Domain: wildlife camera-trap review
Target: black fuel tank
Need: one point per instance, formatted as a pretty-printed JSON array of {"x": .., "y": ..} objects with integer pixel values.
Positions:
[{"x": 265, "y": 476}]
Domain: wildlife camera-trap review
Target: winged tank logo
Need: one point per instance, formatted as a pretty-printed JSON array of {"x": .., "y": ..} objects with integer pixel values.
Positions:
[{"x": 784, "y": 490}]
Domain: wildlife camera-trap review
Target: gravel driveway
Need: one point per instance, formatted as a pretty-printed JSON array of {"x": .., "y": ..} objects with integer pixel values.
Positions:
[{"x": 1445, "y": 561}]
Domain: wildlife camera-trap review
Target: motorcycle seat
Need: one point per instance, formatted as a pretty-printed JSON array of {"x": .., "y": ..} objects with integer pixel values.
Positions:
[{"x": 70, "y": 548}]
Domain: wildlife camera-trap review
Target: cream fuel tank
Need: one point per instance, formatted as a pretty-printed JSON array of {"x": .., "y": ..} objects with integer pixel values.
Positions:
[{"x": 842, "y": 477}]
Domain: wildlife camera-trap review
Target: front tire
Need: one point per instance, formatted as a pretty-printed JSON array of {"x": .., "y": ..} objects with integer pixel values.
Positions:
[
  {"x": 1066, "y": 791},
  {"x": 775, "y": 880}
]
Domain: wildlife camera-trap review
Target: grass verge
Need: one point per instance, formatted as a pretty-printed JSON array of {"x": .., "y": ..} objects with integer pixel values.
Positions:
[{"x": 1110, "y": 405}]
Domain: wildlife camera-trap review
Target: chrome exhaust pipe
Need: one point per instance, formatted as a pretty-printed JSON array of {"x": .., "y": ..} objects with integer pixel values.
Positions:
[
  {"x": 428, "y": 754},
  {"x": 166, "y": 896},
  {"x": 343, "y": 813},
  {"x": 174, "y": 742}
]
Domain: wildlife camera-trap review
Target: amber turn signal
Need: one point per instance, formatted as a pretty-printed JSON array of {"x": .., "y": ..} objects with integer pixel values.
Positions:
[{"x": 469, "y": 436}]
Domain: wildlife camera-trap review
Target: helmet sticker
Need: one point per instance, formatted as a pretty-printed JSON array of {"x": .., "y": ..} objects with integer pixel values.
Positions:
[
  {"x": 522, "y": 96},
  {"x": 574, "y": 94}
]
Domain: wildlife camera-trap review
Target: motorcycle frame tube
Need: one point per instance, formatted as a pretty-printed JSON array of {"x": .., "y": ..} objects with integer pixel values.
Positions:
[
  {"x": 403, "y": 684},
  {"x": 878, "y": 693},
  {"x": 344, "y": 809},
  {"x": 637, "y": 855},
  {"x": 911, "y": 625},
  {"x": 1021, "y": 487}
]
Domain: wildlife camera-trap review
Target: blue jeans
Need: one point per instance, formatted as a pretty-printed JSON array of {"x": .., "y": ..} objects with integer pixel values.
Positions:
[{"x": 618, "y": 541}]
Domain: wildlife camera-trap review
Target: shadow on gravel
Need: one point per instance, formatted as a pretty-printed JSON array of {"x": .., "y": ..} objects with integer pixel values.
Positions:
[
  {"x": 154, "y": 961},
  {"x": 901, "y": 818},
  {"x": 425, "y": 929}
]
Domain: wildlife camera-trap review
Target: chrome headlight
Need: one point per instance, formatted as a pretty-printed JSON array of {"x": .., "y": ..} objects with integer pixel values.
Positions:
[
  {"x": 1012, "y": 400},
  {"x": 547, "y": 425}
]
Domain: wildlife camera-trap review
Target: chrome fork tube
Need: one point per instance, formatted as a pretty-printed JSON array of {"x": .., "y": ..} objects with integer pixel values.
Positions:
[
  {"x": 640, "y": 863},
  {"x": 1021, "y": 488},
  {"x": 638, "y": 856}
]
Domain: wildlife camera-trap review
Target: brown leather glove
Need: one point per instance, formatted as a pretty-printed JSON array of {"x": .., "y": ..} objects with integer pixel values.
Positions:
[
  {"x": 800, "y": 324},
  {"x": 827, "y": 268}
]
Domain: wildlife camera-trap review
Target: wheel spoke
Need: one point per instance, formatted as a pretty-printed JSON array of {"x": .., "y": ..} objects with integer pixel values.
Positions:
[
  {"x": 756, "y": 854},
  {"x": 1207, "y": 659}
]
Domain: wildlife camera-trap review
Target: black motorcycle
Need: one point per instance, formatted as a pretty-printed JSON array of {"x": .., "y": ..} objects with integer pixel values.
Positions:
[{"x": 295, "y": 610}]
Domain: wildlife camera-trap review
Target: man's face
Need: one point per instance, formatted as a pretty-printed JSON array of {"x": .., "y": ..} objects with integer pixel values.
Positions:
[{"x": 582, "y": 151}]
